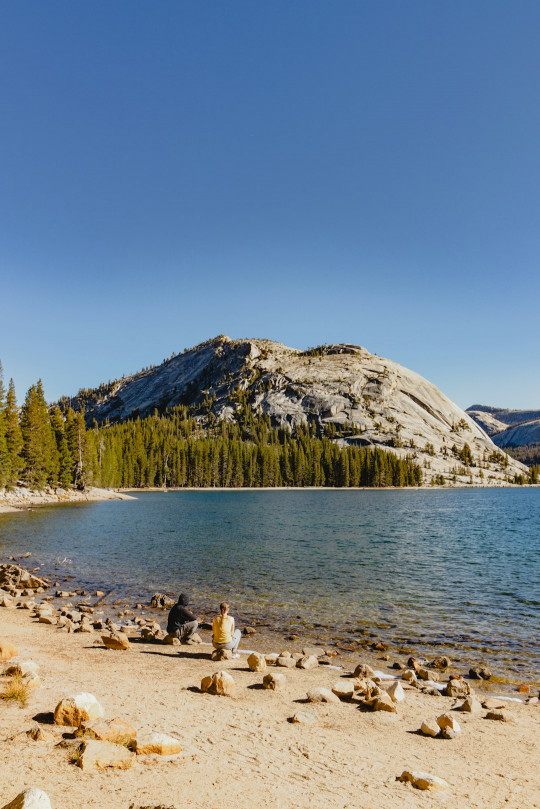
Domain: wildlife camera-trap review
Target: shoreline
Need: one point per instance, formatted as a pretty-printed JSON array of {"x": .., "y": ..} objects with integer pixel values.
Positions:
[
  {"x": 23, "y": 499},
  {"x": 342, "y": 752},
  {"x": 326, "y": 488}
]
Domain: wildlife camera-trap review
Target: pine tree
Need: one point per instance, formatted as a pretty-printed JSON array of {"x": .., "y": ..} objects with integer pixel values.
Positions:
[
  {"x": 38, "y": 444},
  {"x": 64, "y": 471},
  {"x": 14, "y": 441}
]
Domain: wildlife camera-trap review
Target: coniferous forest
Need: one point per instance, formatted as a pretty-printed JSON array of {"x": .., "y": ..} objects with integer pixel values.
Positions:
[{"x": 52, "y": 446}]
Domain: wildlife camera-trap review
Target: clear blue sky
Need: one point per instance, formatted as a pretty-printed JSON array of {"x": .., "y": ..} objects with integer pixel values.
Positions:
[{"x": 307, "y": 172}]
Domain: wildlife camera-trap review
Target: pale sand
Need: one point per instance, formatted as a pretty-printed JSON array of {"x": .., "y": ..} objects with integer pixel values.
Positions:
[
  {"x": 23, "y": 499},
  {"x": 241, "y": 752}
]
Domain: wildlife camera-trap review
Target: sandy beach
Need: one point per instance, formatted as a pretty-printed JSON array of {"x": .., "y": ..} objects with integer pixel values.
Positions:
[{"x": 241, "y": 751}]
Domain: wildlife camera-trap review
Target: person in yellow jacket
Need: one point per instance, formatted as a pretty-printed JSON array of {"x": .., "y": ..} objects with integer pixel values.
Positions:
[{"x": 225, "y": 636}]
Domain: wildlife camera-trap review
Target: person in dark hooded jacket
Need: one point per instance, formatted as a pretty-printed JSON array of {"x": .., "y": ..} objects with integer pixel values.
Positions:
[{"x": 182, "y": 622}]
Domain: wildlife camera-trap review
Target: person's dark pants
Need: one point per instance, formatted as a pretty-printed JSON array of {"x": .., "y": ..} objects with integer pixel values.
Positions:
[{"x": 186, "y": 631}]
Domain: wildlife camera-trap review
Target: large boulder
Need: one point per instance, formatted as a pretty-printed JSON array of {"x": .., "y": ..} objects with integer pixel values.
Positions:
[
  {"x": 221, "y": 683},
  {"x": 256, "y": 662},
  {"x": 7, "y": 650},
  {"x": 30, "y": 799},
  {"x": 75, "y": 710},
  {"x": 158, "y": 744},
  {"x": 109, "y": 730},
  {"x": 97, "y": 755}
]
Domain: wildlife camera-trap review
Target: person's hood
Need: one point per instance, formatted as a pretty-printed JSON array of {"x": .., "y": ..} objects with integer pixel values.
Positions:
[{"x": 183, "y": 599}]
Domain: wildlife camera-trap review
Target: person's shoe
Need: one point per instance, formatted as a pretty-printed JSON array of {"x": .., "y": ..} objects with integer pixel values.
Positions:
[{"x": 236, "y": 656}]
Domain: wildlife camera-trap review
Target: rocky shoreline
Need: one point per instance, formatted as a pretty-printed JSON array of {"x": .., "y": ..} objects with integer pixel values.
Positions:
[
  {"x": 101, "y": 716},
  {"x": 22, "y": 499}
]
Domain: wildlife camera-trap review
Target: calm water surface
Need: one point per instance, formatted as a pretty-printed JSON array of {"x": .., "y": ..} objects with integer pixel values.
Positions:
[{"x": 441, "y": 570}]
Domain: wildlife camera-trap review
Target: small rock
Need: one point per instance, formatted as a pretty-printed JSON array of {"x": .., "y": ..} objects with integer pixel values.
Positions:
[
  {"x": 409, "y": 676},
  {"x": 501, "y": 716},
  {"x": 395, "y": 692},
  {"x": 99, "y": 593},
  {"x": 221, "y": 654},
  {"x": 382, "y": 702},
  {"x": 75, "y": 710},
  {"x": 470, "y": 704},
  {"x": 31, "y": 680},
  {"x": 446, "y": 722},
  {"x": 423, "y": 780},
  {"x": 109, "y": 730},
  {"x": 21, "y": 667},
  {"x": 480, "y": 673},
  {"x": 457, "y": 688},
  {"x": 524, "y": 688},
  {"x": 414, "y": 664},
  {"x": 442, "y": 663},
  {"x": 30, "y": 799},
  {"x": 286, "y": 662},
  {"x": 256, "y": 662},
  {"x": 363, "y": 670},
  {"x": 426, "y": 674},
  {"x": 271, "y": 659},
  {"x": 307, "y": 662},
  {"x": 274, "y": 681},
  {"x": 249, "y": 630},
  {"x": 493, "y": 703},
  {"x": 322, "y": 695},
  {"x": 313, "y": 651},
  {"x": 37, "y": 734},
  {"x": 399, "y": 666},
  {"x": 158, "y": 744},
  {"x": 104, "y": 755},
  {"x": 47, "y": 619},
  {"x": 117, "y": 642},
  {"x": 160, "y": 601},
  {"x": 302, "y": 718},
  {"x": 430, "y": 727},
  {"x": 344, "y": 689},
  {"x": 7, "y": 650},
  {"x": 221, "y": 683}
]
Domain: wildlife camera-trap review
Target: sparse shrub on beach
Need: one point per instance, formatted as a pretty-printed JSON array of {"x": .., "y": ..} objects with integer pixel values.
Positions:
[{"x": 16, "y": 690}]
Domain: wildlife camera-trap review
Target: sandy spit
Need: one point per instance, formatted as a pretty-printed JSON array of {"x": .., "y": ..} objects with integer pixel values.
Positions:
[
  {"x": 240, "y": 751},
  {"x": 22, "y": 499}
]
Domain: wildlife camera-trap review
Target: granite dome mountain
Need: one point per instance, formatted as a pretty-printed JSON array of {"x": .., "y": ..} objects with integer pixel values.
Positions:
[{"x": 353, "y": 396}]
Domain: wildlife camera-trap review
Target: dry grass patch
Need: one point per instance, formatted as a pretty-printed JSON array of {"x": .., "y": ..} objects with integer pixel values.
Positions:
[{"x": 16, "y": 690}]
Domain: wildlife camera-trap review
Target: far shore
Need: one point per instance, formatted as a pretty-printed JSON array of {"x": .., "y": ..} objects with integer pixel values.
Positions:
[{"x": 322, "y": 488}]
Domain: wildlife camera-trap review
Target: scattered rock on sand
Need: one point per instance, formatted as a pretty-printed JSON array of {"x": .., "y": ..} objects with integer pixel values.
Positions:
[
  {"x": 457, "y": 688},
  {"x": 430, "y": 727},
  {"x": 286, "y": 662},
  {"x": 221, "y": 654},
  {"x": 409, "y": 676},
  {"x": 30, "y": 799},
  {"x": 501, "y": 716},
  {"x": 104, "y": 755},
  {"x": 75, "y": 710},
  {"x": 117, "y": 642},
  {"x": 441, "y": 663},
  {"x": 493, "y": 703},
  {"x": 302, "y": 718},
  {"x": 7, "y": 651},
  {"x": 21, "y": 667},
  {"x": 157, "y": 744},
  {"x": 470, "y": 704},
  {"x": 221, "y": 683},
  {"x": 448, "y": 725},
  {"x": 313, "y": 651},
  {"x": 382, "y": 702},
  {"x": 109, "y": 730},
  {"x": 344, "y": 689},
  {"x": 321, "y": 695},
  {"x": 274, "y": 681},
  {"x": 363, "y": 670},
  {"x": 31, "y": 680},
  {"x": 256, "y": 662},
  {"x": 271, "y": 658},
  {"x": 307, "y": 662},
  {"x": 423, "y": 780},
  {"x": 395, "y": 692}
]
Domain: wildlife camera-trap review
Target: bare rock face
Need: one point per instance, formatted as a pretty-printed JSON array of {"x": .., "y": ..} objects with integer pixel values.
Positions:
[
  {"x": 373, "y": 401},
  {"x": 7, "y": 650},
  {"x": 221, "y": 683},
  {"x": 157, "y": 744},
  {"x": 97, "y": 755},
  {"x": 30, "y": 799},
  {"x": 75, "y": 710},
  {"x": 256, "y": 662}
]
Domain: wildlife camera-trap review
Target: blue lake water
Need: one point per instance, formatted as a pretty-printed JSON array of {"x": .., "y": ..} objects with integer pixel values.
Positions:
[{"x": 450, "y": 571}]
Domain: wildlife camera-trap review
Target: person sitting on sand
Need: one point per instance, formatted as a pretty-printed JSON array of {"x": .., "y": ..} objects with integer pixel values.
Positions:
[
  {"x": 225, "y": 636},
  {"x": 182, "y": 623}
]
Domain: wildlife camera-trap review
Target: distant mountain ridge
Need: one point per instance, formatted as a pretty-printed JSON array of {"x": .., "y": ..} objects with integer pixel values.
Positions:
[
  {"x": 348, "y": 394},
  {"x": 508, "y": 428}
]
